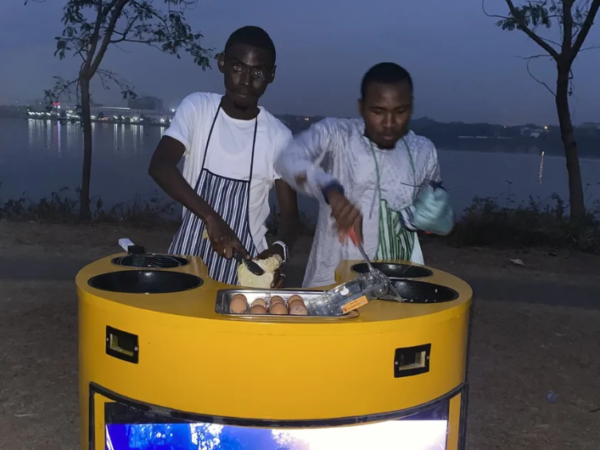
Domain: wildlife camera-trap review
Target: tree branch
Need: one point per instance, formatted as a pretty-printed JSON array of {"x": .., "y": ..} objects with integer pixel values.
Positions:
[
  {"x": 537, "y": 80},
  {"x": 116, "y": 13},
  {"x": 125, "y": 32},
  {"x": 100, "y": 17},
  {"x": 585, "y": 29},
  {"x": 567, "y": 22},
  {"x": 60, "y": 87},
  {"x": 534, "y": 37},
  {"x": 591, "y": 47},
  {"x": 127, "y": 90}
]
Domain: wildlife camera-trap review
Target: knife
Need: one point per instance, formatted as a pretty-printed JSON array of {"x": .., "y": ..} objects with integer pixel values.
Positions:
[{"x": 251, "y": 265}]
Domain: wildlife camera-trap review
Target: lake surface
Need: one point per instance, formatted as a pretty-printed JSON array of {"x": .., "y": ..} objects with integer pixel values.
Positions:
[{"x": 39, "y": 157}]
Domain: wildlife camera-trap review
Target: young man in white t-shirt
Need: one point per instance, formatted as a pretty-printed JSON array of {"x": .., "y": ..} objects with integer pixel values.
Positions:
[{"x": 230, "y": 145}]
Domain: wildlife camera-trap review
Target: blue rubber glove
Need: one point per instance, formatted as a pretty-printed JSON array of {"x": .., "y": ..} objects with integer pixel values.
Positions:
[{"x": 431, "y": 211}]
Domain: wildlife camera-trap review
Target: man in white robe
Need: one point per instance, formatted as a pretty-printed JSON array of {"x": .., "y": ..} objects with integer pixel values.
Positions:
[{"x": 370, "y": 174}]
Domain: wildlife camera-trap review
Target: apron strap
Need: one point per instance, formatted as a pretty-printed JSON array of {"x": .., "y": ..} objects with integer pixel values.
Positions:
[{"x": 212, "y": 127}]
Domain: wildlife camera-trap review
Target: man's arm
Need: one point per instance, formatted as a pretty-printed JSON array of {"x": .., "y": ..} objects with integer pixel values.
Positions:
[
  {"x": 289, "y": 227},
  {"x": 163, "y": 169},
  {"x": 299, "y": 165}
]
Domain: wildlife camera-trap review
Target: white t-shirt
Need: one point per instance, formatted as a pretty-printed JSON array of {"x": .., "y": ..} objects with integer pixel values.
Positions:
[{"x": 230, "y": 151}]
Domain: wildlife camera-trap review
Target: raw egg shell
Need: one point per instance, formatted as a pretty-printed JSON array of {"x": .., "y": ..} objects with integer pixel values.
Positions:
[
  {"x": 242, "y": 296},
  {"x": 278, "y": 309},
  {"x": 298, "y": 310},
  {"x": 295, "y": 298},
  {"x": 276, "y": 299},
  {"x": 238, "y": 305},
  {"x": 258, "y": 309},
  {"x": 259, "y": 301}
]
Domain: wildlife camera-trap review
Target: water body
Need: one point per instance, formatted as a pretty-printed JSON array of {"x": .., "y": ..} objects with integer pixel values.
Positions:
[{"x": 39, "y": 157}]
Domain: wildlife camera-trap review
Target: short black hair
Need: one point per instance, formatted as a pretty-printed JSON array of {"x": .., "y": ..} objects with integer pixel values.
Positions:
[
  {"x": 253, "y": 36},
  {"x": 386, "y": 73}
]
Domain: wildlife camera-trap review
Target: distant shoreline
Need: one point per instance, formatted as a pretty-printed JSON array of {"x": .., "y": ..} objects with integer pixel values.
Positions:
[
  {"x": 550, "y": 145},
  {"x": 107, "y": 121}
]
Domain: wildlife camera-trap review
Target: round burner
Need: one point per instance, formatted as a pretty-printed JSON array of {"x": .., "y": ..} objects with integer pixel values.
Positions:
[
  {"x": 152, "y": 261},
  {"x": 145, "y": 282},
  {"x": 395, "y": 271},
  {"x": 420, "y": 292}
]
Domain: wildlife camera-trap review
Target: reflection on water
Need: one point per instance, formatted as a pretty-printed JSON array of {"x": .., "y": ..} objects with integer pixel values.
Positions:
[
  {"x": 38, "y": 157},
  {"x": 541, "y": 175}
]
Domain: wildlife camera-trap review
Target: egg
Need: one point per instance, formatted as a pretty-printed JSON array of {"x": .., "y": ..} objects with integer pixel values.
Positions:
[
  {"x": 258, "y": 309},
  {"x": 276, "y": 299},
  {"x": 278, "y": 309},
  {"x": 260, "y": 301},
  {"x": 295, "y": 298},
  {"x": 298, "y": 310},
  {"x": 238, "y": 304}
]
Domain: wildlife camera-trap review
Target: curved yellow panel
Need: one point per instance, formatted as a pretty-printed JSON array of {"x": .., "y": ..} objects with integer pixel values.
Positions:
[{"x": 192, "y": 359}]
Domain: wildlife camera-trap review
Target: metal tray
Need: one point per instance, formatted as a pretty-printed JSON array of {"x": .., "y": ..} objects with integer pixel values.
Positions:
[{"x": 224, "y": 297}]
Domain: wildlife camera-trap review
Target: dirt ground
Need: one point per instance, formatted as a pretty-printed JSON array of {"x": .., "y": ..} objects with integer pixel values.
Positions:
[{"x": 520, "y": 352}]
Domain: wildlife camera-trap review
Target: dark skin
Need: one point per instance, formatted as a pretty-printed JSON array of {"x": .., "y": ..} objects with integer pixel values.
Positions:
[
  {"x": 386, "y": 110},
  {"x": 247, "y": 73}
]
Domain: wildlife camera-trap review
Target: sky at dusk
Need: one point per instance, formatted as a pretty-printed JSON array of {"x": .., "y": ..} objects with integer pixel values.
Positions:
[{"x": 464, "y": 67}]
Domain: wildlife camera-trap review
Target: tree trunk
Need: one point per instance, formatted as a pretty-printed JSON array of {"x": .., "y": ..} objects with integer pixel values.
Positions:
[
  {"x": 576, "y": 201},
  {"x": 86, "y": 173}
]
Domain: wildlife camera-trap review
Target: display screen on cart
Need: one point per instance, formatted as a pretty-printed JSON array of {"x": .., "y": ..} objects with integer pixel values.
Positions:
[
  {"x": 417, "y": 432},
  {"x": 395, "y": 435}
]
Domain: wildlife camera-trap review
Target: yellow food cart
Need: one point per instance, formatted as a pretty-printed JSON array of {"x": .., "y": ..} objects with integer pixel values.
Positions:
[{"x": 165, "y": 365}]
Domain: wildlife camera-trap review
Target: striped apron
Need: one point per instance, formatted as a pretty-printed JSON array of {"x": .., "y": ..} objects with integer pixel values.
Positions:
[
  {"x": 230, "y": 199},
  {"x": 395, "y": 242}
]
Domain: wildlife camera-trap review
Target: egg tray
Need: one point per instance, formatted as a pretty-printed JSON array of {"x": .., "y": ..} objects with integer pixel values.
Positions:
[{"x": 224, "y": 298}]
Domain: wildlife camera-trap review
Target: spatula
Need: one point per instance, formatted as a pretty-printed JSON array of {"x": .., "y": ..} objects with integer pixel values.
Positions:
[{"x": 358, "y": 244}]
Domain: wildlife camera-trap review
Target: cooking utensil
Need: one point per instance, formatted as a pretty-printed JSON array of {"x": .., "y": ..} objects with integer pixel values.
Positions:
[
  {"x": 251, "y": 265},
  {"x": 354, "y": 238},
  {"x": 127, "y": 245},
  {"x": 358, "y": 244},
  {"x": 137, "y": 257},
  {"x": 137, "y": 252}
]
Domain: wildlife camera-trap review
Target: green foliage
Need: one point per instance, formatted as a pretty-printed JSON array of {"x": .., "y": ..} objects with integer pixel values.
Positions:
[
  {"x": 574, "y": 18},
  {"x": 488, "y": 222},
  {"x": 532, "y": 14},
  {"x": 63, "y": 207},
  {"x": 92, "y": 26},
  {"x": 532, "y": 224}
]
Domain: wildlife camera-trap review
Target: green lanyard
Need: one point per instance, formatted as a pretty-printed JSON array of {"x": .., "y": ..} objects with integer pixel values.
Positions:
[{"x": 412, "y": 166}]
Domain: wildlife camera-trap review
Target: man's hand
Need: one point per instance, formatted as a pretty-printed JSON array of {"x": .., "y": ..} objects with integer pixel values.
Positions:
[
  {"x": 223, "y": 239},
  {"x": 432, "y": 211},
  {"x": 278, "y": 277},
  {"x": 345, "y": 214}
]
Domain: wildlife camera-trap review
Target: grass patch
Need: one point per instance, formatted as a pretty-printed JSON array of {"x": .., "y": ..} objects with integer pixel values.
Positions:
[
  {"x": 63, "y": 207},
  {"x": 529, "y": 224},
  {"x": 488, "y": 222}
]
